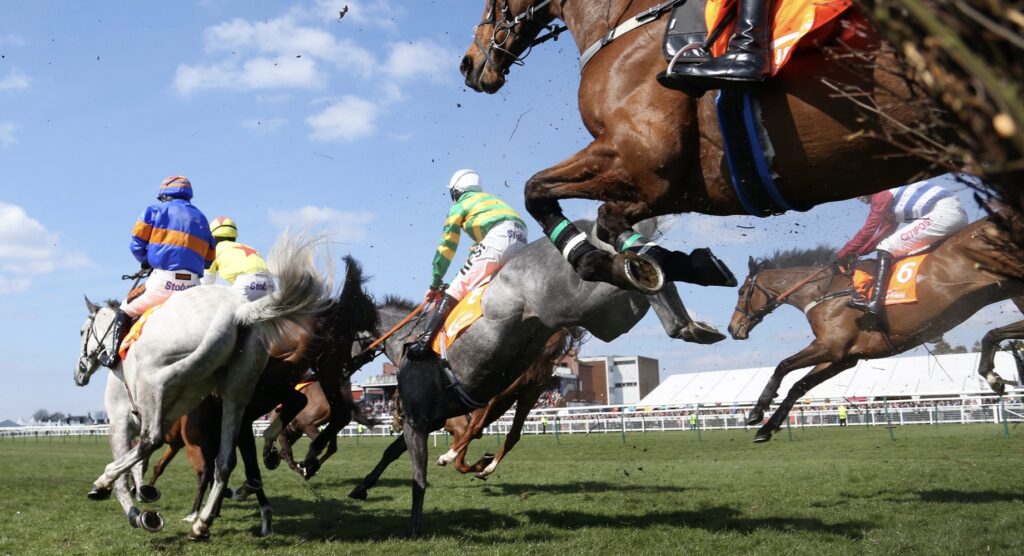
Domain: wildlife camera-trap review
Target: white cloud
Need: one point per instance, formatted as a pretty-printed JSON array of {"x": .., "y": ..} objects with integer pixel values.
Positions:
[
  {"x": 15, "y": 80},
  {"x": 12, "y": 40},
  {"x": 27, "y": 248},
  {"x": 265, "y": 125},
  {"x": 349, "y": 119},
  {"x": 253, "y": 74},
  {"x": 341, "y": 225},
  {"x": 422, "y": 58},
  {"x": 7, "y": 137}
]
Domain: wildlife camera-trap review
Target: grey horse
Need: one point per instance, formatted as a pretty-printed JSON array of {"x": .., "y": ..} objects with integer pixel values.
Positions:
[
  {"x": 534, "y": 295},
  {"x": 202, "y": 339}
]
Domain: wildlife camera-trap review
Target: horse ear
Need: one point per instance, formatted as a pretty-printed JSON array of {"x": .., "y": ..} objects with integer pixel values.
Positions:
[
  {"x": 93, "y": 308},
  {"x": 751, "y": 264}
]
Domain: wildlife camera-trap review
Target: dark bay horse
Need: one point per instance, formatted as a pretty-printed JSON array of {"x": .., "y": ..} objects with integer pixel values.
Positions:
[
  {"x": 658, "y": 151},
  {"x": 953, "y": 283}
]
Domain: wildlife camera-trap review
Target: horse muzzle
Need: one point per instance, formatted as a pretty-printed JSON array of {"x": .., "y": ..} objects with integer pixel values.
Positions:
[
  {"x": 82, "y": 374},
  {"x": 739, "y": 332}
]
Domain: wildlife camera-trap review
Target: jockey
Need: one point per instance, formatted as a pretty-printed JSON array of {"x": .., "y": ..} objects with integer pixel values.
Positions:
[
  {"x": 498, "y": 233},
  {"x": 903, "y": 221},
  {"x": 747, "y": 61},
  {"x": 172, "y": 237},
  {"x": 241, "y": 265}
]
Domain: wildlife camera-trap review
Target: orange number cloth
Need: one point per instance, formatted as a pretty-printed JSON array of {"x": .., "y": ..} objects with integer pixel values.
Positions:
[
  {"x": 468, "y": 311},
  {"x": 902, "y": 284}
]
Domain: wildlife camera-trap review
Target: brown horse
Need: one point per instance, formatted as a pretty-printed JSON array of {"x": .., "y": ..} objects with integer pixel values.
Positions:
[
  {"x": 658, "y": 151},
  {"x": 316, "y": 413},
  {"x": 524, "y": 393},
  {"x": 953, "y": 283}
]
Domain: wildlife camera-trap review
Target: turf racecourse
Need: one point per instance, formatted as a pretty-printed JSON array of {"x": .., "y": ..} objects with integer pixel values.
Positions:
[{"x": 951, "y": 490}]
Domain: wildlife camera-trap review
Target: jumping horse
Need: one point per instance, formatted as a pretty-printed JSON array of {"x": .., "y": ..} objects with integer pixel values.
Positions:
[
  {"x": 956, "y": 280},
  {"x": 658, "y": 151},
  {"x": 535, "y": 294}
]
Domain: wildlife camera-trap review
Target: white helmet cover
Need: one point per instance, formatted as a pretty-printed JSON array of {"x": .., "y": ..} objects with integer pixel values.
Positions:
[{"x": 465, "y": 180}]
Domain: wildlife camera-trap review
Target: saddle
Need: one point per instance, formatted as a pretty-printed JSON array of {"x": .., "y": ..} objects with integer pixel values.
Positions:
[
  {"x": 468, "y": 311},
  {"x": 135, "y": 332}
]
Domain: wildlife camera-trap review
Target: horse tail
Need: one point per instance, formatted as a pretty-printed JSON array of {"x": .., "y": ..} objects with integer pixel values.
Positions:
[{"x": 302, "y": 293}]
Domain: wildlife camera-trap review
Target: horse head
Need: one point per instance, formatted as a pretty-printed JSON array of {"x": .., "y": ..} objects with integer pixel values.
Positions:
[
  {"x": 96, "y": 339},
  {"x": 751, "y": 304},
  {"x": 504, "y": 36}
]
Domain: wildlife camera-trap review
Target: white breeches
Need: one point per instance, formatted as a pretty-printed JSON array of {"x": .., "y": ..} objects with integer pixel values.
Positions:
[
  {"x": 254, "y": 286},
  {"x": 488, "y": 256},
  {"x": 160, "y": 285}
]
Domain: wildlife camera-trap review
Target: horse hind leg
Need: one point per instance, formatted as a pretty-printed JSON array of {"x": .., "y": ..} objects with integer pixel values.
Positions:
[
  {"x": 989, "y": 344},
  {"x": 810, "y": 355},
  {"x": 253, "y": 480}
]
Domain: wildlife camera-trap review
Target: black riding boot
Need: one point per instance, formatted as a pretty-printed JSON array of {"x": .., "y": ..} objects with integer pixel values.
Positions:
[
  {"x": 120, "y": 329},
  {"x": 874, "y": 305},
  {"x": 421, "y": 349},
  {"x": 747, "y": 61}
]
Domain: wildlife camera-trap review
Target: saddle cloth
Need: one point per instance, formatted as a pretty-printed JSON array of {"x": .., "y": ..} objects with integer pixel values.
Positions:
[
  {"x": 468, "y": 311},
  {"x": 902, "y": 283},
  {"x": 135, "y": 332}
]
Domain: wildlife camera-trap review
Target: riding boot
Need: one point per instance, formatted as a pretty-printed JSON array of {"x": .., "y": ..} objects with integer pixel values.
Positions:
[
  {"x": 422, "y": 348},
  {"x": 873, "y": 306},
  {"x": 747, "y": 61},
  {"x": 122, "y": 321}
]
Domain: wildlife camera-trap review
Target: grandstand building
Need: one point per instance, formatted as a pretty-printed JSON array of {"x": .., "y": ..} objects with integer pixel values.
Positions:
[
  {"x": 611, "y": 379},
  {"x": 894, "y": 378}
]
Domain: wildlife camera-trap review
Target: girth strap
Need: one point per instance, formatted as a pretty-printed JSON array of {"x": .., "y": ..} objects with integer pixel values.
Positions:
[{"x": 454, "y": 384}]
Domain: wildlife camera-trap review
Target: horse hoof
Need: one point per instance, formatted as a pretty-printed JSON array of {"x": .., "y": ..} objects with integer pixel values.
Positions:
[
  {"x": 151, "y": 521},
  {"x": 481, "y": 475},
  {"x": 149, "y": 494},
  {"x": 272, "y": 460},
  {"x": 637, "y": 272},
  {"x": 99, "y": 494},
  {"x": 762, "y": 437},
  {"x": 358, "y": 493},
  {"x": 755, "y": 417},
  {"x": 229, "y": 493},
  {"x": 309, "y": 469},
  {"x": 199, "y": 532},
  {"x": 701, "y": 333}
]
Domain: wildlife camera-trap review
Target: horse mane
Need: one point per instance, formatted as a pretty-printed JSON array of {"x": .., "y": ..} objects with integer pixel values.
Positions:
[
  {"x": 796, "y": 257},
  {"x": 112, "y": 304},
  {"x": 354, "y": 310},
  {"x": 398, "y": 302}
]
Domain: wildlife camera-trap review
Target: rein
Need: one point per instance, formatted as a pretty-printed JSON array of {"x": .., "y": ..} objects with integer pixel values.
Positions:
[
  {"x": 371, "y": 350},
  {"x": 774, "y": 300},
  {"x": 633, "y": 23},
  {"x": 507, "y": 28}
]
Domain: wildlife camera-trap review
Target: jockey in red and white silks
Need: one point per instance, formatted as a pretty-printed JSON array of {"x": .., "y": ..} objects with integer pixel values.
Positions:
[{"x": 903, "y": 221}]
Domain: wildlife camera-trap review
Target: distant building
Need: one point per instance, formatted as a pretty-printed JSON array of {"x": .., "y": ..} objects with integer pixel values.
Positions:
[{"x": 617, "y": 380}]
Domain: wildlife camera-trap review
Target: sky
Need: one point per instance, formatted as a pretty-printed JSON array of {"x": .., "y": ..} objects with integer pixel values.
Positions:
[{"x": 282, "y": 114}]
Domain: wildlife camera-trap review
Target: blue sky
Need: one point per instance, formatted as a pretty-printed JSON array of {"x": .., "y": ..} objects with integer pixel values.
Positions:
[{"x": 282, "y": 114}]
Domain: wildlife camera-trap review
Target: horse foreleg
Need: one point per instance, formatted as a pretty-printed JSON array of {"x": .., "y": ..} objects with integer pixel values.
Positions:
[
  {"x": 417, "y": 444},
  {"x": 203, "y": 470},
  {"x": 813, "y": 354},
  {"x": 527, "y": 399},
  {"x": 596, "y": 172},
  {"x": 814, "y": 377},
  {"x": 253, "y": 480},
  {"x": 457, "y": 427},
  {"x": 391, "y": 453},
  {"x": 989, "y": 346},
  {"x": 332, "y": 448}
]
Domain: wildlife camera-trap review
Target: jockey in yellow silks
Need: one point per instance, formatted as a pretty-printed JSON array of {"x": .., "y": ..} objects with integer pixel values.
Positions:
[
  {"x": 241, "y": 265},
  {"x": 498, "y": 233}
]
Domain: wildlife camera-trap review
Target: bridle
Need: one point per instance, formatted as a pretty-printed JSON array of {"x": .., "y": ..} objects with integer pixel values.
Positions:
[
  {"x": 775, "y": 301},
  {"x": 100, "y": 340},
  {"x": 504, "y": 31}
]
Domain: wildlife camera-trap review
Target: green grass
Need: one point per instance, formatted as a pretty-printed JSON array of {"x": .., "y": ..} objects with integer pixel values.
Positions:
[{"x": 950, "y": 490}]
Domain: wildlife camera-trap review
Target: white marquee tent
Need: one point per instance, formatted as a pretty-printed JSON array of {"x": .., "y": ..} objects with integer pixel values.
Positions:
[{"x": 925, "y": 376}]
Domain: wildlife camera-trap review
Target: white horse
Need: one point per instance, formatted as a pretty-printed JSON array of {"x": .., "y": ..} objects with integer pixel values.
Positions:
[{"x": 203, "y": 340}]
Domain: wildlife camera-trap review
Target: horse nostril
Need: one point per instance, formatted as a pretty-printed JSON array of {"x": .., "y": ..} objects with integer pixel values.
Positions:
[{"x": 466, "y": 66}]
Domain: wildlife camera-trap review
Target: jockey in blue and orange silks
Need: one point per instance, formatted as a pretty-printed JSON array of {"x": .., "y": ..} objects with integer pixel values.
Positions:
[
  {"x": 903, "y": 221},
  {"x": 172, "y": 237}
]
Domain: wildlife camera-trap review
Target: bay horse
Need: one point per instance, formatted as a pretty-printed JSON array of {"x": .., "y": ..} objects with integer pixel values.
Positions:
[
  {"x": 202, "y": 339},
  {"x": 534, "y": 295},
  {"x": 658, "y": 151},
  {"x": 955, "y": 281},
  {"x": 316, "y": 413}
]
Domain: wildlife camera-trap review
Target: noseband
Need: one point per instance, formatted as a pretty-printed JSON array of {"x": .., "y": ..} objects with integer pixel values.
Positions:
[
  {"x": 504, "y": 31},
  {"x": 774, "y": 301}
]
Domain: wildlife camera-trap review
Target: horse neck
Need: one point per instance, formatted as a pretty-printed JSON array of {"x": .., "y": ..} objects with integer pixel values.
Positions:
[
  {"x": 390, "y": 316},
  {"x": 590, "y": 20},
  {"x": 780, "y": 280}
]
